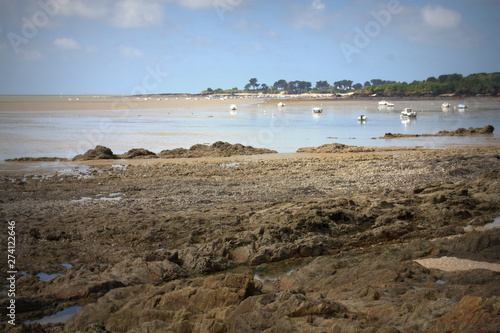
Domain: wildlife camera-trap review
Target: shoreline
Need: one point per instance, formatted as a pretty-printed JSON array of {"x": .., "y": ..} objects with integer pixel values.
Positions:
[
  {"x": 304, "y": 153},
  {"x": 155, "y": 101}
]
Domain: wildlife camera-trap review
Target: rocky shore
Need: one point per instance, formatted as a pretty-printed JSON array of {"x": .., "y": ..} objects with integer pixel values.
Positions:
[
  {"x": 323, "y": 243},
  {"x": 459, "y": 132},
  {"x": 217, "y": 149}
]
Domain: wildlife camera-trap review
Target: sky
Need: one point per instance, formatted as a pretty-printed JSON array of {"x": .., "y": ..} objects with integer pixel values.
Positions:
[{"x": 126, "y": 47}]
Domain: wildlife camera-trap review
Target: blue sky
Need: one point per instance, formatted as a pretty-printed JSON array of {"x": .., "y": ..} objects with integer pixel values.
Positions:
[{"x": 157, "y": 46}]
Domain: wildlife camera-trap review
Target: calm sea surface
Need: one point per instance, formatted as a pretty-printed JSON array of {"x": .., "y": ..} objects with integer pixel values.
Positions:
[{"x": 68, "y": 133}]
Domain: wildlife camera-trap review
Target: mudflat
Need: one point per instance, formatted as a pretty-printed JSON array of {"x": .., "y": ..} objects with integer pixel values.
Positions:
[
  {"x": 323, "y": 242},
  {"x": 75, "y": 103}
]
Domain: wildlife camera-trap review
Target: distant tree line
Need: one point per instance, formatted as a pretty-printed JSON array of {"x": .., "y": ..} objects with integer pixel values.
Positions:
[
  {"x": 473, "y": 84},
  {"x": 290, "y": 87},
  {"x": 481, "y": 83}
]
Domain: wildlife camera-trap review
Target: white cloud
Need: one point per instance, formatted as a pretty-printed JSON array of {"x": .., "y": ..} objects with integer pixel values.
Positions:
[
  {"x": 246, "y": 26},
  {"x": 435, "y": 25},
  {"x": 270, "y": 33},
  {"x": 137, "y": 14},
  {"x": 439, "y": 17},
  {"x": 121, "y": 13},
  {"x": 130, "y": 52},
  {"x": 86, "y": 9},
  {"x": 31, "y": 55},
  {"x": 202, "y": 4},
  {"x": 313, "y": 15},
  {"x": 318, "y": 5},
  {"x": 67, "y": 44},
  {"x": 200, "y": 41},
  {"x": 250, "y": 48}
]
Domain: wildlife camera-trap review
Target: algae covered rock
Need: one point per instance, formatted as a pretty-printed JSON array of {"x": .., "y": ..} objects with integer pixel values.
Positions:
[{"x": 98, "y": 153}]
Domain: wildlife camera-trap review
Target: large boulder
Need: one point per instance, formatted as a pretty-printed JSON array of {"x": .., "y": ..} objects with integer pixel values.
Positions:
[
  {"x": 138, "y": 153},
  {"x": 472, "y": 314},
  {"x": 98, "y": 153},
  {"x": 218, "y": 149},
  {"x": 194, "y": 305}
]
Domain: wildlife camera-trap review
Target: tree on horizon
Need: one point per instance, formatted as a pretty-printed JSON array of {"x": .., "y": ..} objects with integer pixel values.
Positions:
[
  {"x": 322, "y": 85},
  {"x": 253, "y": 83},
  {"x": 280, "y": 84}
]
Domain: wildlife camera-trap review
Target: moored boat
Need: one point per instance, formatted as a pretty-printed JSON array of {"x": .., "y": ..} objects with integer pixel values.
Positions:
[
  {"x": 281, "y": 104},
  {"x": 233, "y": 107},
  {"x": 317, "y": 109},
  {"x": 362, "y": 117},
  {"x": 408, "y": 113},
  {"x": 445, "y": 105},
  {"x": 462, "y": 106}
]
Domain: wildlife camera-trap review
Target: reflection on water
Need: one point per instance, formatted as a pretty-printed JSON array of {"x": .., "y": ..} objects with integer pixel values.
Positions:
[{"x": 68, "y": 133}]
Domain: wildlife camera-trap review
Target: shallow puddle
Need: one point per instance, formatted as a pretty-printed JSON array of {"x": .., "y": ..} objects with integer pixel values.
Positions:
[
  {"x": 272, "y": 275},
  {"x": 494, "y": 224},
  {"x": 111, "y": 197},
  {"x": 57, "y": 318},
  {"x": 272, "y": 271},
  {"x": 47, "y": 277}
]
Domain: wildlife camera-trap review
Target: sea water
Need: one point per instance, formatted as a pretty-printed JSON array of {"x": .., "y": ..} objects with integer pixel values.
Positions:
[{"x": 66, "y": 133}]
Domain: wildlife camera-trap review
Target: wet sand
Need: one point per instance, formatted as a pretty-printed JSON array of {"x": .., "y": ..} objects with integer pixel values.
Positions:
[{"x": 74, "y": 103}]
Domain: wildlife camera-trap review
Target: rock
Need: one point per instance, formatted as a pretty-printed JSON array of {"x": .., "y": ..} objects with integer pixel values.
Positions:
[
  {"x": 218, "y": 149},
  {"x": 187, "y": 218},
  {"x": 282, "y": 312},
  {"x": 84, "y": 283},
  {"x": 196, "y": 305},
  {"x": 459, "y": 132},
  {"x": 472, "y": 314},
  {"x": 486, "y": 130},
  {"x": 334, "y": 148},
  {"x": 138, "y": 271},
  {"x": 98, "y": 153},
  {"x": 138, "y": 153},
  {"x": 202, "y": 264},
  {"x": 37, "y": 159}
]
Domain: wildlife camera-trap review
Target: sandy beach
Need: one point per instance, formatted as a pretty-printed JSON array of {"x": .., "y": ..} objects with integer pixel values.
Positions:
[
  {"x": 72, "y": 103},
  {"x": 65, "y": 103}
]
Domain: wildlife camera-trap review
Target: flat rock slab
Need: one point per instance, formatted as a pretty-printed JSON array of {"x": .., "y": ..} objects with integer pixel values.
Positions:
[{"x": 450, "y": 264}]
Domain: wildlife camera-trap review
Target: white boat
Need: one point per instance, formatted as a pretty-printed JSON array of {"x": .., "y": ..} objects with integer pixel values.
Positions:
[
  {"x": 445, "y": 105},
  {"x": 318, "y": 110},
  {"x": 462, "y": 106},
  {"x": 408, "y": 113},
  {"x": 362, "y": 117},
  {"x": 390, "y": 105},
  {"x": 281, "y": 104},
  {"x": 382, "y": 102},
  {"x": 233, "y": 107}
]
